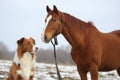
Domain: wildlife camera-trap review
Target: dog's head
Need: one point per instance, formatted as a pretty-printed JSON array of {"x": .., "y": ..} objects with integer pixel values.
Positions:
[{"x": 26, "y": 45}]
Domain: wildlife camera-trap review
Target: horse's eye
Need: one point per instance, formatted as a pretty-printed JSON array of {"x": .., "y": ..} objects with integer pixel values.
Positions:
[{"x": 54, "y": 20}]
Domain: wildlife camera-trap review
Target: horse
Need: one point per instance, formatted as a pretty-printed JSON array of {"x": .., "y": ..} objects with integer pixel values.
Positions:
[{"x": 92, "y": 50}]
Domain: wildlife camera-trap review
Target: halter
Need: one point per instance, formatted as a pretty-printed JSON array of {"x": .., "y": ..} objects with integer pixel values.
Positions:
[
  {"x": 59, "y": 25},
  {"x": 55, "y": 34}
]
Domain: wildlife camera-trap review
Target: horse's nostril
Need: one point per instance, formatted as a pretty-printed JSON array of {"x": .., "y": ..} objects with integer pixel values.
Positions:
[{"x": 45, "y": 38}]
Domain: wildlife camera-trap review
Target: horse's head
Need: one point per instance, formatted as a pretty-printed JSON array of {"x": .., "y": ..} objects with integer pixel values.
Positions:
[{"x": 53, "y": 22}]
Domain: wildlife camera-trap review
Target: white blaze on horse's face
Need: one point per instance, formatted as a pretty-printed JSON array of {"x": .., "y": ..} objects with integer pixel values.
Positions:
[
  {"x": 46, "y": 23},
  {"x": 47, "y": 20}
]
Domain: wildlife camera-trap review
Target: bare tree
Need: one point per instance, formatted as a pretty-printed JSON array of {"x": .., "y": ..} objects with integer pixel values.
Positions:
[
  {"x": 63, "y": 55},
  {"x": 3, "y": 51}
]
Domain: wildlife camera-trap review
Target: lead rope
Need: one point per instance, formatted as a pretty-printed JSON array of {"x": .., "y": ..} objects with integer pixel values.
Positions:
[{"x": 54, "y": 44}]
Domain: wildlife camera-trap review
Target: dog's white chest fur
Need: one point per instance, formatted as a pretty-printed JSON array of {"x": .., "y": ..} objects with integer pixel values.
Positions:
[{"x": 26, "y": 63}]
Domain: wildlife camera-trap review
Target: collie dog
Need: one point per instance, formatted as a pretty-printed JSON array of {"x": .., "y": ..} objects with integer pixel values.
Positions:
[{"x": 24, "y": 59}]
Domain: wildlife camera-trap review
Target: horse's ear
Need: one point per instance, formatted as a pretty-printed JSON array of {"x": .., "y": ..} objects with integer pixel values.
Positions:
[
  {"x": 48, "y": 9},
  {"x": 55, "y": 9}
]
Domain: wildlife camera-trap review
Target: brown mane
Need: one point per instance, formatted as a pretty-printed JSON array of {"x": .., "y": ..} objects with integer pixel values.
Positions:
[{"x": 79, "y": 23}]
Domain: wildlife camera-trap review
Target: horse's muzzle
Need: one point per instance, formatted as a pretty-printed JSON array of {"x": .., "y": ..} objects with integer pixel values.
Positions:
[{"x": 46, "y": 39}]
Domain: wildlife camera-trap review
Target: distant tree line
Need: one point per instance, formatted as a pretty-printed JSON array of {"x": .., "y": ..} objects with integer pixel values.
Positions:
[
  {"x": 43, "y": 55},
  {"x": 5, "y": 53}
]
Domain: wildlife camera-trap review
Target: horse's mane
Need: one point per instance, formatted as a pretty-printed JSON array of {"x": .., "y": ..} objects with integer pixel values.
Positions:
[
  {"x": 117, "y": 32},
  {"x": 80, "y": 23}
]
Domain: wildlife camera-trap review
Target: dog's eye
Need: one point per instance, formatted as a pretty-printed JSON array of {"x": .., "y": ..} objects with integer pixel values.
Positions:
[{"x": 29, "y": 43}]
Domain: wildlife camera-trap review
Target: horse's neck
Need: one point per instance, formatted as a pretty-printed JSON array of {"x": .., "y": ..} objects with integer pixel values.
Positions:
[
  {"x": 73, "y": 32},
  {"x": 68, "y": 37},
  {"x": 76, "y": 31}
]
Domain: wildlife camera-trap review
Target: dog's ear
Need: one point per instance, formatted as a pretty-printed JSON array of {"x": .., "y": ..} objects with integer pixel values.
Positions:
[
  {"x": 32, "y": 40},
  {"x": 20, "y": 41}
]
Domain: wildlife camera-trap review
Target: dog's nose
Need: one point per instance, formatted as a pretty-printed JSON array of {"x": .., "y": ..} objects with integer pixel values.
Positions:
[{"x": 36, "y": 48}]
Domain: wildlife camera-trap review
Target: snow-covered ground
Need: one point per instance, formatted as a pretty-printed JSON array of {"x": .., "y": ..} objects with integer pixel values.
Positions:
[{"x": 48, "y": 72}]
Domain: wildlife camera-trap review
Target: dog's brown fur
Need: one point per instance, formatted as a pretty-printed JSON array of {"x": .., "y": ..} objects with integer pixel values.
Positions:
[{"x": 24, "y": 45}]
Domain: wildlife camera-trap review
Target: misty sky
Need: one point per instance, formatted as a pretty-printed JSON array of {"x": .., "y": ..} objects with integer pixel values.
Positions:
[{"x": 25, "y": 18}]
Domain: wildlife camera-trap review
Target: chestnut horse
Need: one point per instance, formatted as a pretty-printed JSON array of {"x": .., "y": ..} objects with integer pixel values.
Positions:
[{"x": 92, "y": 50}]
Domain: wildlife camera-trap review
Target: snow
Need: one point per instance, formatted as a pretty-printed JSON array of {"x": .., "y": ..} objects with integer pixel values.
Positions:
[{"x": 48, "y": 72}]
